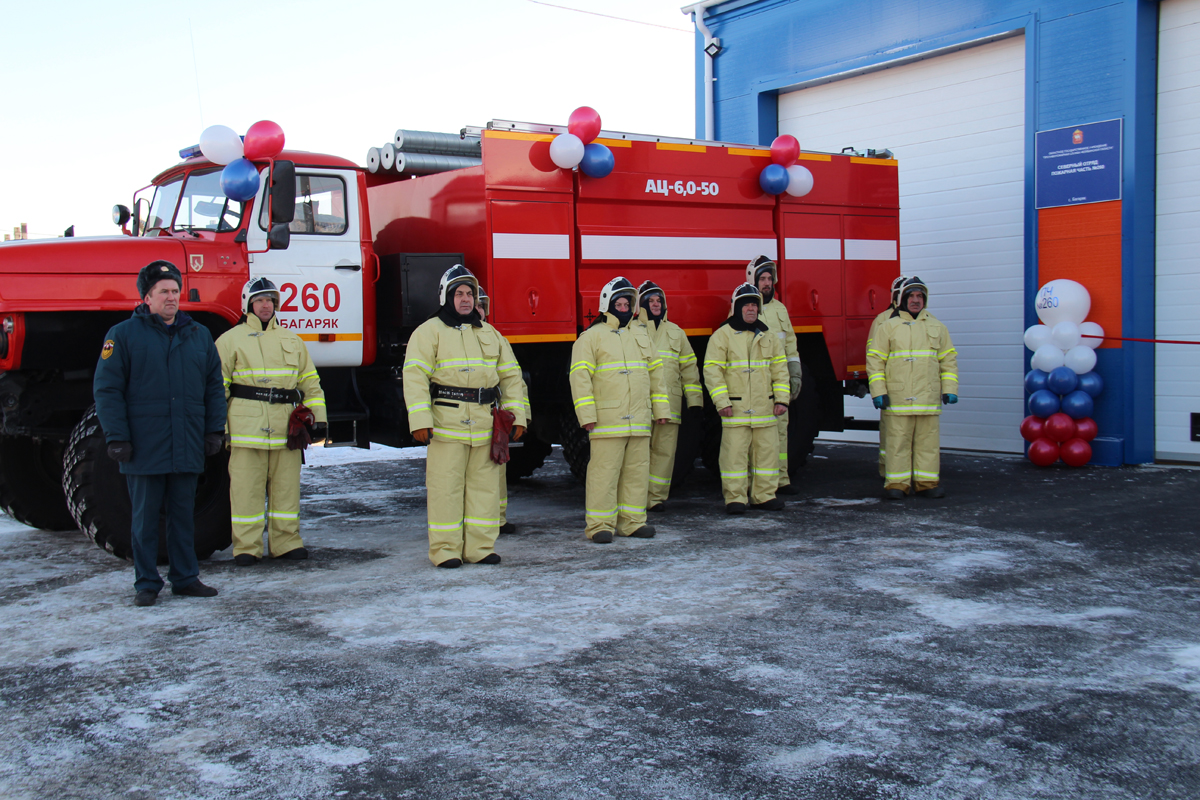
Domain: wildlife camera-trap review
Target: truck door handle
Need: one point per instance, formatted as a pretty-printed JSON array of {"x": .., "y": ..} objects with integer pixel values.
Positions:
[
  {"x": 871, "y": 298},
  {"x": 346, "y": 263},
  {"x": 815, "y": 299},
  {"x": 534, "y": 297}
]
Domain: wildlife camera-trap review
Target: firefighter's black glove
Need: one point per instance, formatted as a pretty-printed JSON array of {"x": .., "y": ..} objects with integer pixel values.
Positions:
[
  {"x": 120, "y": 451},
  {"x": 883, "y": 401},
  {"x": 320, "y": 432},
  {"x": 213, "y": 442}
]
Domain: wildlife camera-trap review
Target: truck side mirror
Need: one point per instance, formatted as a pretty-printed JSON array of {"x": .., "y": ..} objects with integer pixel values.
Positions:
[
  {"x": 283, "y": 194},
  {"x": 279, "y": 237}
]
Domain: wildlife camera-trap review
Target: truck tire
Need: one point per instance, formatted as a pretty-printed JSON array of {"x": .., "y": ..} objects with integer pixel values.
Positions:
[
  {"x": 98, "y": 496},
  {"x": 576, "y": 447},
  {"x": 31, "y": 483},
  {"x": 524, "y": 460},
  {"x": 804, "y": 421}
]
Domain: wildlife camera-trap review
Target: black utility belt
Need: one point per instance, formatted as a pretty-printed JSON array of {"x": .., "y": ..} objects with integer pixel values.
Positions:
[
  {"x": 481, "y": 396},
  {"x": 292, "y": 396}
]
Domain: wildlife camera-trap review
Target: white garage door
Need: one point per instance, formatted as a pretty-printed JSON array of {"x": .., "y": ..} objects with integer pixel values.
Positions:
[
  {"x": 956, "y": 123},
  {"x": 1177, "y": 276}
]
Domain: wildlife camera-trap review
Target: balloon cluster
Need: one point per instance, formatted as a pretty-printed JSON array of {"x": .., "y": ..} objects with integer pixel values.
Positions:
[
  {"x": 221, "y": 145},
  {"x": 783, "y": 174},
  {"x": 1062, "y": 386},
  {"x": 577, "y": 148}
]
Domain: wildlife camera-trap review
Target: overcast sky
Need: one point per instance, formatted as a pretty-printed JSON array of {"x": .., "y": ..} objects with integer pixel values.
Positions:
[{"x": 98, "y": 98}]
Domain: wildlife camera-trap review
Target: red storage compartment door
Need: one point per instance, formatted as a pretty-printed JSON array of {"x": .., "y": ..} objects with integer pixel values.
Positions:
[
  {"x": 532, "y": 261},
  {"x": 811, "y": 274},
  {"x": 872, "y": 253}
]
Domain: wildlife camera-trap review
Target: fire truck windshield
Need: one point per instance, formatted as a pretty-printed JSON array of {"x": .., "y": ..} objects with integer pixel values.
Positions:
[{"x": 203, "y": 206}]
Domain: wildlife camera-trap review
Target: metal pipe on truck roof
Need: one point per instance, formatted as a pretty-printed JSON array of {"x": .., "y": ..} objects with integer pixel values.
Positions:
[
  {"x": 443, "y": 144},
  {"x": 429, "y": 163},
  {"x": 373, "y": 159},
  {"x": 387, "y": 157}
]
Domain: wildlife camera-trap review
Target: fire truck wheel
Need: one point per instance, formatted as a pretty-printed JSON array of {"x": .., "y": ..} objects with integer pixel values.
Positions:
[
  {"x": 31, "y": 483},
  {"x": 98, "y": 496},
  {"x": 524, "y": 460},
  {"x": 804, "y": 421},
  {"x": 576, "y": 447}
]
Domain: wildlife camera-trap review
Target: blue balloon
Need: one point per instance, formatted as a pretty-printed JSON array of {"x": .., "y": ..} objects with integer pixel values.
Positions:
[
  {"x": 1035, "y": 380},
  {"x": 1062, "y": 380},
  {"x": 773, "y": 179},
  {"x": 1091, "y": 383},
  {"x": 1078, "y": 404},
  {"x": 1043, "y": 403},
  {"x": 239, "y": 180},
  {"x": 597, "y": 161}
]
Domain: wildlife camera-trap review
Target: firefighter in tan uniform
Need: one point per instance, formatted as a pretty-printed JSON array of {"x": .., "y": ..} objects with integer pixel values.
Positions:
[
  {"x": 913, "y": 370},
  {"x": 879, "y": 318},
  {"x": 763, "y": 275},
  {"x": 456, "y": 367},
  {"x": 267, "y": 372},
  {"x": 483, "y": 304},
  {"x": 745, "y": 371},
  {"x": 681, "y": 379},
  {"x": 617, "y": 387}
]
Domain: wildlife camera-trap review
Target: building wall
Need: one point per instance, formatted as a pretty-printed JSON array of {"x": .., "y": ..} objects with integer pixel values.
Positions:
[{"x": 1085, "y": 61}]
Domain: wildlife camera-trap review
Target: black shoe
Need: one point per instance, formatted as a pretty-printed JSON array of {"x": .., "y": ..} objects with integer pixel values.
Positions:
[
  {"x": 451, "y": 563},
  {"x": 299, "y": 554},
  {"x": 787, "y": 489},
  {"x": 145, "y": 598},
  {"x": 508, "y": 527},
  {"x": 774, "y": 504},
  {"x": 490, "y": 558},
  {"x": 195, "y": 589},
  {"x": 735, "y": 508},
  {"x": 602, "y": 537},
  {"x": 894, "y": 494},
  {"x": 657, "y": 508},
  {"x": 644, "y": 532},
  {"x": 933, "y": 493},
  {"x": 245, "y": 560}
]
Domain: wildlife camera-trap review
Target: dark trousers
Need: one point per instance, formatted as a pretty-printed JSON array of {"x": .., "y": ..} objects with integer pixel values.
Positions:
[{"x": 174, "y": 492}]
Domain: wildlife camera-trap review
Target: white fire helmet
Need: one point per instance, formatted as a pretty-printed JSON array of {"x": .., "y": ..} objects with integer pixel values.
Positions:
[
  {"x": 896, "y": 285},
  {"x": 256, "y": 287},
  {"x": 615, "y": 288},
  {"x": 757, "y": 267},
  {"x": 451, "y": 278},
  {"x": 484, "y": 302},
  {"x": 746, "y": 290}
]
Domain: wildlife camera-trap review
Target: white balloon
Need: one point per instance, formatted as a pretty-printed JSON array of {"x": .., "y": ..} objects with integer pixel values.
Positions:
[
  {"x": 1047, "y": 358},
  {"x": 800, "y": 181},
  {"x": 221, "y": 144},
  {"x": 1063, "y": 300},
  {"x": 1036, "y": 336},
  {"x": 1065, "y": 335},
  {"x": 1081, "y": 359},
  {"x": 1091, "y": 329},
  {"x": 566, "y": 151}
]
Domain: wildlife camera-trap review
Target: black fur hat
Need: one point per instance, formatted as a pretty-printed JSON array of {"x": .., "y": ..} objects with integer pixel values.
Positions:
[{"x": 154, "y": 272}]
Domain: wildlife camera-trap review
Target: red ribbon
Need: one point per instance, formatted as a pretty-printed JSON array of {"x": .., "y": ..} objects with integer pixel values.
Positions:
[{"x": 1127, "y": 339}]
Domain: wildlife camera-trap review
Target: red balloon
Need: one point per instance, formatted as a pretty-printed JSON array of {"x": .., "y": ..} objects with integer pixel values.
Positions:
[
  {"x": 1043, "y": 452},
  {"x": 264, "y": 139},
  {"x": 584, "y": 122},
  {"x": 1086, "y": 429},
  {"x": 1033, "y": 428},
  {"x": 785, "y": 150},
  {"x": 1075, "y": 452},
  {"x": 1060, "y": 427}
]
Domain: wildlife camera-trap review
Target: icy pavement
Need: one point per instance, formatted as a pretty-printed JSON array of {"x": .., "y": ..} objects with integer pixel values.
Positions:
[{"x": 1034, "y": 636}]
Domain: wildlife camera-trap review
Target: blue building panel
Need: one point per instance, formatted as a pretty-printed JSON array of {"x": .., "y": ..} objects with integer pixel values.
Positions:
[{"x": 1088, "y": 60}]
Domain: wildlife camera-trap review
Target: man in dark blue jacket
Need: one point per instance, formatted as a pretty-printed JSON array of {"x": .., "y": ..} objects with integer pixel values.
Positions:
[{"x": 161, "y": 402}]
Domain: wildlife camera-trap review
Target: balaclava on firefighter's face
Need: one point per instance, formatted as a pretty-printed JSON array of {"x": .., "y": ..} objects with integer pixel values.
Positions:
[
  {"x": 644, "y": 301},
  {"x": 737, "y": 321},
  {"x": 449, "y": 314},
  {"x": 622, "y": 317}
]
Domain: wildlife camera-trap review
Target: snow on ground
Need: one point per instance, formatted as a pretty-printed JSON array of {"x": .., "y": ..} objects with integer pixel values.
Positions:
[{"x": 1009, "y": 643}]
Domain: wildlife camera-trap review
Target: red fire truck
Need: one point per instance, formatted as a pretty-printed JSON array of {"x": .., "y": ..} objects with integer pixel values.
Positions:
[{"x": 357, "y": 253}]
